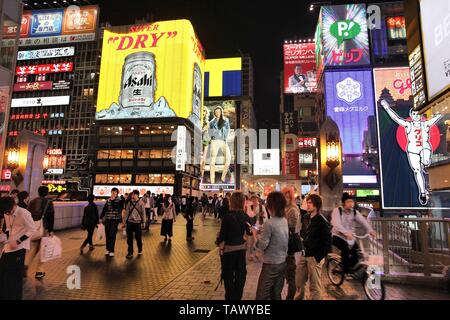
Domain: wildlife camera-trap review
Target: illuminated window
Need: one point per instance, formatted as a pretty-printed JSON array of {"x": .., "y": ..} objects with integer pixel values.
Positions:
[
  {"x": 156, "y": 154},
  {"x": 168, "y": 179},
  {"x": 167, "y": 153},
  {"x": 144, "y": 154},
  {"x": 103, "y": 154},
  {"x": 154, "y": 178}
]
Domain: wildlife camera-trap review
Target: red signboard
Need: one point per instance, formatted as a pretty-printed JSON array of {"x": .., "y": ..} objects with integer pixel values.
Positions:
[
  {"x": 6, "y": 174},
  {"x": 300, "y": 68},
  {"x": 307, "y": 142},
  {"x": 396, "y": 23},
  {"x": 292, "y": 167},
  {"x": 44, "y": 68},
  {"x": 33, "y": 86},
  {"x": 10, "y": 31},
  {"x": 5, "y": 188}
]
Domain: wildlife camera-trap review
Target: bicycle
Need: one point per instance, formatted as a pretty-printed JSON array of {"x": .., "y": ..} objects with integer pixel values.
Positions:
[{"x": 366, "y": 272}]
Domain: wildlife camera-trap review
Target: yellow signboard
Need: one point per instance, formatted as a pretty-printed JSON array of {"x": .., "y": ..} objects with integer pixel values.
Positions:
[
  {"x": 221, "y": 80},
  {"x": 151, "y": 71}
]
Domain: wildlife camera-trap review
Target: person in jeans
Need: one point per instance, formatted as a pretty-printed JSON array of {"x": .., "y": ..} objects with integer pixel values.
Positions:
[
  {"x": 343, "y": 221},
  {"x": 169, "y": 217},
  {"x": 43, "y": 213},
  {"x": 134, "y": 216},
  {"x": 232, "y": 247},
  {"x": 89, "y": 222},
  {"x": 317, "y": 243},
  {"x": 111, "y": 217},
  {"x": 292, "y": 214},
  {"x": 273, "y": 242},
  {"x": 189, "y": 215},
  {"x": 18, "y": 226}
]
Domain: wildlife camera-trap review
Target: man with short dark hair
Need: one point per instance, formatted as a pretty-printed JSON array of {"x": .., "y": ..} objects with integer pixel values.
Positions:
[
  {"x": 18, "y": 226},
  {"x": 343, "y": 221},
  {"x": 317, "y": 243},
  {"x": 43, "y": 213},
  {"x": 111, "y": 217},
  {"x": 134, "y": 215}
]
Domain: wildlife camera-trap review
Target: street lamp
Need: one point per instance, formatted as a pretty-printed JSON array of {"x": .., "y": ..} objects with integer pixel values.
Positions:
[
  {"x": 333, "y": 159},
  {"x": 13, "y": 157}
]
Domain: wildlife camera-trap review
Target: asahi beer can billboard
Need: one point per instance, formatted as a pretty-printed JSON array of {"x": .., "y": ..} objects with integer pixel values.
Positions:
[{"x": 151, "y": 71}]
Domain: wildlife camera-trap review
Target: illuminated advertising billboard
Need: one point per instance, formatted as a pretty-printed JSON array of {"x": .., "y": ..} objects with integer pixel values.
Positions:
[
  {"x": 435, "y": 17},
  {"x": 41, "y": 102},
  {"x": 417, "y": 77},
  {"x": 349, "y": 102},
  {"x": 408, "y": 142},
  {"x": 266, "y": 162},
  {"x": 105, "y": 191},
  {"x": 56, "y": 26},
  {"x": 344, "y": 37},
  {"x": 152, "y": 71},
  {"x": 223, "y": 77},
  {"x": 218, "y": 155},
  {"x": 46, "y": 53},
  {"x": 42, "y": 86},
  {"x": 300, "y": 68},
  {"x": 44, "y": 68}
]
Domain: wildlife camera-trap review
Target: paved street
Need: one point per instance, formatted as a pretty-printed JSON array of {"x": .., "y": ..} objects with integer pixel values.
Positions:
[{"x": 168, "y": 271}]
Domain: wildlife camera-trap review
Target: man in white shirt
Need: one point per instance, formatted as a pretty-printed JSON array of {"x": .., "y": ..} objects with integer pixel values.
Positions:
[
  {"x": 19, "y": 227},
  {"x": 343, "y": 221}
]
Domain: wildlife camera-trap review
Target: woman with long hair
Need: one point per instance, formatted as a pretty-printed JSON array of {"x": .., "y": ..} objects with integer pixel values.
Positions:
[
  {"x": 169, "y": 217},
  {"x": 219, "y": 129}
]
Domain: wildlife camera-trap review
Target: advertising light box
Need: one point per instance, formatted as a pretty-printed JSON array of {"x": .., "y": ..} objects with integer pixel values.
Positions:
[
  {"x": 407, "y": 142},
  {"x": 266, "y": 162},
  {"x": 46, "y": 53},
  {"x": 105, "y": 191},
  {"x": 41, "y": 102},
  {"x": 44, "y": 68},
  {"x": 218, "y": 155},
  {"x": 349, "y": 101},
  {"x": 343, "y": 35},
  {"x": 153, "y": 73},
  {"x": 56, "y": 26},
  {"x": 300, "y": 74},
  {"x": 223, "y": 77},
  {"x": 435, "y": 17}
]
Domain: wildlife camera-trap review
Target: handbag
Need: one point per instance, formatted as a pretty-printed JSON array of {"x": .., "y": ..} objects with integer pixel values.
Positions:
[{"x": 295, "y": 243}]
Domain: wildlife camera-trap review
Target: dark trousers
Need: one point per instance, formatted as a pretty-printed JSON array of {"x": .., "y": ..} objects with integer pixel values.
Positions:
[
  {"x": 234, "y": 273},
  {"x": 90, "y": 233},
  {"x": 111, "y": 232},
  {"x": 350, "y": 257},
  {"x": 147, "y": 223},
  {"x": 12, "y": 267},
  {"x": 134, "y": 230},
  {"x": 189, "y": 228},
  {"x": 290, "y": 276},
  {"x": 271, "y": 281}
]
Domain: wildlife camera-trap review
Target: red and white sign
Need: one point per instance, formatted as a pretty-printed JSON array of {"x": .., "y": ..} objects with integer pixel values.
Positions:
[
  {"x": 300, "y": 68},
  {"x": 6, "y": 174},
  {"x": 10, "y": 31},
  {"x": 307, "y": 142},
  {"x": 44, "y": 68},
  {"x": 33, "y": 86},
  {"x": 292, "y": 166},
  {"x": 55, "y": 152},
  {"x": 5, "y": 188}
]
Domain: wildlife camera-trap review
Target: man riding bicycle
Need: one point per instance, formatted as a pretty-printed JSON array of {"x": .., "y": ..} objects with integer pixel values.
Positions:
[{"x": 343, "y": 221}]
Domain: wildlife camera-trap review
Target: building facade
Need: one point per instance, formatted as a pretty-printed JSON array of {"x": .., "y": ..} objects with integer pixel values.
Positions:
[{"x": 10, "y": 22}]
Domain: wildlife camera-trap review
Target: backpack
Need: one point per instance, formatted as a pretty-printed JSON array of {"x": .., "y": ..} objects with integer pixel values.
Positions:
[{"x": 341, "y": 212}]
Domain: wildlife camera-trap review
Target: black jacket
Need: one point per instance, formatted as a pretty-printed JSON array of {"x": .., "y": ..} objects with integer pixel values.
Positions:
[
  {"x": 90, "y": 216},
  {"x": 317, "y": 241},
  {"x": 37, "y": 206},
  {"x": 234, "y": 226}
]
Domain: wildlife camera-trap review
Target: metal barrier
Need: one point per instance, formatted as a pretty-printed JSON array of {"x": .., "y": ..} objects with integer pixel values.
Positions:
[{"x": 411, "y": 246}]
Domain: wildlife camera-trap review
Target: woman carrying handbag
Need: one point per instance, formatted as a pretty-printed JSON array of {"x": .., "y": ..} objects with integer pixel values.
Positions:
[{"x": 168, "y": 219}]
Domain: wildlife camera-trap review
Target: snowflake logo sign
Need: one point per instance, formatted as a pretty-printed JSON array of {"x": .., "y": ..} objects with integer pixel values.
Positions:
[{"x": 349, "y": 90}]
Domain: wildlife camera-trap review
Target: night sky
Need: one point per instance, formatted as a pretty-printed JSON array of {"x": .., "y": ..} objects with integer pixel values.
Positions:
[{"x": 226, "y": 28}]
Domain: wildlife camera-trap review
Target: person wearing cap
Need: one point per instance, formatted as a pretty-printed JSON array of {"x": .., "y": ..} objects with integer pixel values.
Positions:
[{"x": 343, "y": 221}]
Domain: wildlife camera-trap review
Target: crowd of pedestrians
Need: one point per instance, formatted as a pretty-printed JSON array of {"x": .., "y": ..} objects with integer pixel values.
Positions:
[{"x": 289, "y": 235}]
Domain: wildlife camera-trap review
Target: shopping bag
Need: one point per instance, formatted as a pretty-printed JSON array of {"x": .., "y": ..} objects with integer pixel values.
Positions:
[
  {"x": 100, "y": 234},
  {"x": 50, "y": 249}
]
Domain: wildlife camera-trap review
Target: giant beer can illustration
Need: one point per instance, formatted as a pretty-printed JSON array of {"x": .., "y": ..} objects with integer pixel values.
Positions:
[{"x": 138, "y": 80}]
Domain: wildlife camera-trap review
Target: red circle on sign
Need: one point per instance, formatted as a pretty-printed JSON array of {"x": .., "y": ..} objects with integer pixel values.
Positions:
[{"x": 435, "y": 137}]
